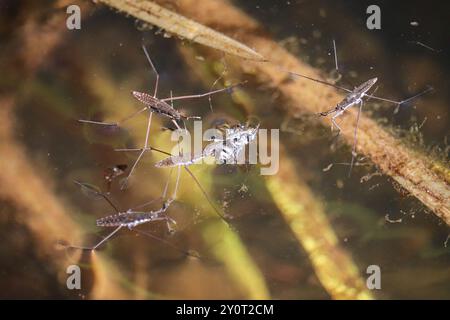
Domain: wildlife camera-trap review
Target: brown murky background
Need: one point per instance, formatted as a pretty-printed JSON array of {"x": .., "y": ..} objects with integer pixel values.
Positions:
[{"x": 51, "y": 77}]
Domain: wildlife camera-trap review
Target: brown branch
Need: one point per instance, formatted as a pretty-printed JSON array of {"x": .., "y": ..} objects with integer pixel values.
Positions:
[{"x": 306, "y": 217}]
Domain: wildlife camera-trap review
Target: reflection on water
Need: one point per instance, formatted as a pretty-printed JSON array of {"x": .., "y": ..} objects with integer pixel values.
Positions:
[{"x": 90, "y": 74}]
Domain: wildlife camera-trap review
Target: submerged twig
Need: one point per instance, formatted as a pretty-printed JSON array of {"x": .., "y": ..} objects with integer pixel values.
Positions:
[
  {"x": 306, "y": 217},
  {"x": 170, "y": 21}
]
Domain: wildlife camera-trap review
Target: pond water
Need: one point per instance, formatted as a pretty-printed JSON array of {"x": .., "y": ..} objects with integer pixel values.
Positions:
[{"x": 90, "y": 74}]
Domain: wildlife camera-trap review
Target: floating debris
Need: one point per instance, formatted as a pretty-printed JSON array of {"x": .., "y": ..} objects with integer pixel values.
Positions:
[
  {"x": 388, "y": 219},
  {"x": 327, "y": 168},
  {"x": 425, "y": 46}
]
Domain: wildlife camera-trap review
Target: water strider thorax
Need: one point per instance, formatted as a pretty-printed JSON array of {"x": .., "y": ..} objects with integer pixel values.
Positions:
[
  {"x": 131, "y": 218},
  {"x": 356, "y": 95},
  {"x": 158, "y": 106}
]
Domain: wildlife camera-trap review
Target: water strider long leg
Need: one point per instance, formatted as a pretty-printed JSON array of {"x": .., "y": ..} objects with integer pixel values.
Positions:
[
  {"x": 107, "y": 237},
  {"x": 403, "y": 101},
  {"x": 140, "y": 149},
  {"x": 325, "y": 113},
  {"x": 169, "y": 220},
  {"x": 97, "y": 193},
  {"x": 315, "y": 80},
  {"x": 176, "y": 124},
  {"x": 355, "y": 137},
  {"x": 166, "y": 187},
  {"x": 337, "y": 69},
  {"x": 217, "y": 80},
  {"x": 137, "y": 112},
  {"x": 334, "y": 123},
  {"x": 173, "y": 120},
  {"x": 151, "y": 235},
  {"x": 174, "y": 196},
  {"x": 154, "y": 69},
  {"x": 205, "y": 194},
  {"x": 132, "y": 115},
  {"x": 144, "y": 149},
  {"x": 114, "y": 124},
  {"x": 111, "y": 124},
  {"x": 193, "y": 96}
]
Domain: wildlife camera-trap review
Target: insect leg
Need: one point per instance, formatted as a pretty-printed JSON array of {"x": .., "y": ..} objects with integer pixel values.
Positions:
[
  {"x": 154, "y": 69},
  {"x": 403, "y": 101},
  {"x": 169, "y": 221},
  {"x": 87, "y": 188},
  {"x": 316, "y": 80},
  {"x": 114, "y": 124},
  {"x": 98, "y": 244},
  {"x": 149, "y": 122},
  {"x": 176, "y": 124},
  {"x": 217, "y": 80},
  {"x": 203, "y": 94},
  {"x": 107, "y": 237},
  {"x": 355, "y": 138},
  {"x": 325, "y": 113},
  {"x": 206, "y": 195},
  {"x": 132, "y": 115},
  {"x": 176, "y": 183},
  {"x": 151, "y": 235},
  {"x": 111, "y": 124},
  {"x": 140, "y": 149},
  {"x": 334, "y": 123},
  {"x": 166, "y": 187}
]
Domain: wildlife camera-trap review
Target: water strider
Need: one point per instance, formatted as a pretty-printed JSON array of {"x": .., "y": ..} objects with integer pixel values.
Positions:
[
  {"x": 133, "y": 217},
  {"x": 225, "y": 150},
  {"x": 354, "y": 97},
  {"x": 236, "y": 139}
]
